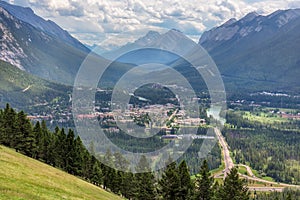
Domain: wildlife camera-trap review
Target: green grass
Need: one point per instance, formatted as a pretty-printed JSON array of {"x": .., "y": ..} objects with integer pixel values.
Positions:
[
  {"x": 242, "y": 170},
  {"x": 267, "y": 178},
  {"x": 25, "y": 178},
  {"x": 265, "y": 118}
]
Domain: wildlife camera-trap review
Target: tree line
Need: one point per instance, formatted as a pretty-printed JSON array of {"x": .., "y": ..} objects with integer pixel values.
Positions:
[
  {"x": 271, "y": 150},
  {"x": 64, "y": 150}
]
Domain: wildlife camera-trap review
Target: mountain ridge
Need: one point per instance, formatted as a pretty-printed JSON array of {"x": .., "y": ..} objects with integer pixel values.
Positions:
[
  {"x": 27, "y": 15},
  {"x": 260, "y": 48},
  {"x": 37, "y": 52}
]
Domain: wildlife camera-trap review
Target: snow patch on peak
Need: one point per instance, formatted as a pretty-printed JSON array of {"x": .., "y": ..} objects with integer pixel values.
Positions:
[
  {"x": 287, "y": 16},
  {"x": 220, "y": 34},
  {"x": 5, "y": 13},
  {"x": 246, "y": 31},
  {"x": 10, "y": 50}
]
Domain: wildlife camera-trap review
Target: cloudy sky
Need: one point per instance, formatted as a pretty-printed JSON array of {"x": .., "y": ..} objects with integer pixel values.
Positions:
[{"x": 114, "y": 22}]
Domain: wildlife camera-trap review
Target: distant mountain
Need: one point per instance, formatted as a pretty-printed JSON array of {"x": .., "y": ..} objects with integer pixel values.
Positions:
[
  {"x": 27, "y": 15},
  {"x": 35, "y": 50},
  {"x": 154, "y": 47},
  {"x": 258, "y": 51}
]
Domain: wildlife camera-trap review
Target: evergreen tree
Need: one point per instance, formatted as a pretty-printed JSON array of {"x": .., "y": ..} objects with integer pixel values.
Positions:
[
  {"x": 39, "y": 141},
  {"x": 70, "y": 152},
  {"x": 108, "y": 172},
  {"x": 24, "y": 137},
  {"x": 204, "y": 183},
  {"x": 9, "y": 127},
  {"x": 96, "y": 177},
  {"x": 60, "y": 148},
  {"x": 145, "y": 180},
  {"x": 129, "y": 188},
  {"x": 233, "y": 187},
  {"x": 170, "y": 183},
  {"x": 185, "y": 181},
  {"x": 1, "y": 127},
  {"x": 48, "y": 141},
  {"x": 87, "y": 165}
]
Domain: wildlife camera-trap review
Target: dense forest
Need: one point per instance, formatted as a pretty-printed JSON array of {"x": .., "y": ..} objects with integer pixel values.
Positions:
[
  {"x": 271, "y": 149},
  {"x": 64, "y": 150}
]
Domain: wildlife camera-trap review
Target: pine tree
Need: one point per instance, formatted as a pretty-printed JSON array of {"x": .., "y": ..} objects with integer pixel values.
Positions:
[
  {"x": 1, "y": 127},
  {"x": 170, "y": 183},
  {"x": 233, "y": 187},
  {"x": 96, "y": 177},
  {"x": 185, "y": 181},
  {"x": 73, "y": 158},
  {"x": 60, "y": 148},
  {"x": 39, "y": 141},
  {"x": 145, "y": 180},
  {"x": 108, "y": 172},
  {"x": 129, "y": 188},
  {"x": 9, "y": 135},
  {"x": 204, "y": 183},
  {"x": 24, "y": 137}
]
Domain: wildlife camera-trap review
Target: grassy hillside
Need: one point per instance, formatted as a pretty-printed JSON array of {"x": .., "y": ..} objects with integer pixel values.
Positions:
[
  {"x": 22, "y": 89},
  {"x": 25, "y": 178}
]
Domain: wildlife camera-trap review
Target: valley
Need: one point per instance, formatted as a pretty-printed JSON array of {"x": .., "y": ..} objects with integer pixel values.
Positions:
[{"x": 151, "y": 111}]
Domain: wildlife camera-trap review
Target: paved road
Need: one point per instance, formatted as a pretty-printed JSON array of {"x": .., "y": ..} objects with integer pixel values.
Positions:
[
  {"x": 266, "y": 189},
  {"x": 227, "y": 159},
  {"x": 229, "y": 164},
  {"x": 268, "y": 182}
]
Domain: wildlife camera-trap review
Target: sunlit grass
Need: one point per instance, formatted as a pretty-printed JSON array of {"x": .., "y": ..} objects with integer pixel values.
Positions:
[{"x": 25, "y": 178}]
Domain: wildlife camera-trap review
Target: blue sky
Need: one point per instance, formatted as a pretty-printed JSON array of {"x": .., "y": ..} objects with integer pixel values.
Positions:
[{"x": 114, "y": 22}]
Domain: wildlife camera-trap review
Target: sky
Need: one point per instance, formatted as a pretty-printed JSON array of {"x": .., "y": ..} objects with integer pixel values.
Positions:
[{"x": 111, "y": 23}]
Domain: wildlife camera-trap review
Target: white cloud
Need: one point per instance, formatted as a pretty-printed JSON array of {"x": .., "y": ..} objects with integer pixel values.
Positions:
[{"x": 93, "y": 21}]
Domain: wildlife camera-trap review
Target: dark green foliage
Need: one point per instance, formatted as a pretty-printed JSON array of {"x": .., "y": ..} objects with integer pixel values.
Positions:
[
  {"x": 58, "y": 149},
  {"x": 9, "y": 126},
  {"x": 145, "y": 181},
  {"x": 287, "y": 194},
  {"x": 233, "y": 187},
  {"x": 186, "y": 187},
  {"x": 170, "y": 183},
  {"x": 261, "y": 145},
  {"x": 66, "y": 151},
  {"x": 204, "y": 183},
  {"x": 24, "y": 137}
]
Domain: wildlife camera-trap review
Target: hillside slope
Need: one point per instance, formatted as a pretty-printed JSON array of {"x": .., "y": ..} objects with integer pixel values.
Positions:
[
  {"x": 21, "y": 89},
  {"x": 25, "y": 178},
  {"x": 37, "y": 52}
]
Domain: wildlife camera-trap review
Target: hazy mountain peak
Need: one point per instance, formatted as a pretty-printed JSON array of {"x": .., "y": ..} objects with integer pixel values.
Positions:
[
  {"x": 27, "y": 15},
  {"x": 282, "y": 17},
  {"x": 148, "y": 38},
  {"x": 250, "y": 24},
  {"x": 230, "y": 22},
  {"x": 249, "y": 17}
]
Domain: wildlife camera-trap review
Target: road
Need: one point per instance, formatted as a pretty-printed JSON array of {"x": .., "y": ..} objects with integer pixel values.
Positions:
[
  {"x": 229, "y": 164},
  {"x": 266, "y": 189},
  {"x": 227, "y": 159}
]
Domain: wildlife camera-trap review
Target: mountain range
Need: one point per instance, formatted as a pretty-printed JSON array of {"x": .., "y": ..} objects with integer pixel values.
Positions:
[
  {"x": 253, "y": 53},
  {"x": 258, "y": 51},
  {"x": 38, "y": 46}
]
